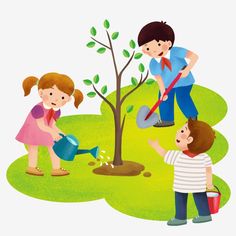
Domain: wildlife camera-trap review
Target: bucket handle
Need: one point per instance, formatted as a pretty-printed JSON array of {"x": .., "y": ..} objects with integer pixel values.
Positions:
[{"x": 213, "y": 190}]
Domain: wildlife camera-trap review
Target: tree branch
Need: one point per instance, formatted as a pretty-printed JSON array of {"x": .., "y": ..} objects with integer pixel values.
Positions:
[
  {"x": 126, "y": 65},
  {"x": 141, "y": 81},
  {"x": 104, "y": 45},
  {"x": 123, "y": 123},
  {"x": 105, "y": 99},
  {"x": 146, "y": 76},
  {"x": 112, "y": 53}
]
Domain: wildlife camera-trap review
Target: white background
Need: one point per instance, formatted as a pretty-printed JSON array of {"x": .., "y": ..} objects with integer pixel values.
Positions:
[{"x": 42, "y": 36}]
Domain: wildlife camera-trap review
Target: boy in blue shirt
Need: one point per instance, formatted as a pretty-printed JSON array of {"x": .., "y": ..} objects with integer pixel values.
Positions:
[{"x": 157, "y": 39}]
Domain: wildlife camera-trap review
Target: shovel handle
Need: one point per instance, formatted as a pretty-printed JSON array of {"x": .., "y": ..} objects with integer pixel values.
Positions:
[{"x": 157, "y": 104}]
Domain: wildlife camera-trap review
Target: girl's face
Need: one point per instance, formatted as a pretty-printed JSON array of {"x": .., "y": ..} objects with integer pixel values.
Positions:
[
  {"x": 156, "y": 49},
  {"x": 53, "y": 97}
]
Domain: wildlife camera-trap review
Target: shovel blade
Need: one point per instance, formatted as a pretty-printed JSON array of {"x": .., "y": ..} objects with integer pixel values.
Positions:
[{"x": 142, "y": 113}]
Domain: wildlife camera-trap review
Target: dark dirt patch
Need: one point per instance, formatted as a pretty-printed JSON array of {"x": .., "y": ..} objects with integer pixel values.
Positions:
[
  {"x": 129, "y": 168},
  {"x": 91, "y": 163},
  {"x": 147, "y": 174}
]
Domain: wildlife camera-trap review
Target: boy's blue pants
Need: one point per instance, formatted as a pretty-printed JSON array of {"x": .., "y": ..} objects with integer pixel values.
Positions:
[
  {"x": 184, "y": 101},
  {"x": 181, "y": 204}
]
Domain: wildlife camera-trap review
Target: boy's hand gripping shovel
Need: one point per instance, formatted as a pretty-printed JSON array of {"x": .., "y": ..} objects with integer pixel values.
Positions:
[{"x": 146, "y": 117}]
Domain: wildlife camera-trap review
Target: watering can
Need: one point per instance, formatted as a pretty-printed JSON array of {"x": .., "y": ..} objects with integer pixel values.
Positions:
[{"x": 67, "y": 147}]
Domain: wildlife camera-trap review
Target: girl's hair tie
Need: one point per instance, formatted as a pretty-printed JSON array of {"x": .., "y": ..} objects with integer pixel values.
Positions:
[{"x": 37, "y": 83}]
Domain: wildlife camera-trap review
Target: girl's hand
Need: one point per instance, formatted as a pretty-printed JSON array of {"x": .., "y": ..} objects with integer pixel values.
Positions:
[
  {"x": 60, "y": 132},
  {"x": 55, "y": 135}
]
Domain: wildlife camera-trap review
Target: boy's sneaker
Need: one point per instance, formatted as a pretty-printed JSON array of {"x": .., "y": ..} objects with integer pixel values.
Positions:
[
  {"x": 202, "y": 219},
  {"x": 59, "y": 172},
  {"x": 34, "y": 171},
  {"x": 162, "y": 123},
  {"x": 176, "y": 222}
]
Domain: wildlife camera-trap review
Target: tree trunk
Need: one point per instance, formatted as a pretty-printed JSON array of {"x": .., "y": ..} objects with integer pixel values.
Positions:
[
  {"x": 118, "y": 148},
  {"x": 118, "y": 132}
]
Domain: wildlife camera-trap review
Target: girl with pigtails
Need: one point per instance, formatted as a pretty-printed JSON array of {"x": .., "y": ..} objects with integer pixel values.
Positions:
[{"x": 39, "y": 128}]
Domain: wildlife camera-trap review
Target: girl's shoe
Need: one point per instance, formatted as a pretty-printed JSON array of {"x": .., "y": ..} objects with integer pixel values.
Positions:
[
  {"x": 202, "y": 219},
  {"x": 59, "y": 172},
  {"x": 34, "y": 171},
  {"x": 176, "y": 222}
]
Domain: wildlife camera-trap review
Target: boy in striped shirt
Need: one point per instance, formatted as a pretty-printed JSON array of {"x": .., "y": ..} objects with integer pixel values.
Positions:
[{"x": 192, "y": 169}]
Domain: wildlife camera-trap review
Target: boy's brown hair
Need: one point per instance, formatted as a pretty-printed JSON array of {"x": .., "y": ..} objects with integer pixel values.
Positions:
[
  {"x": 158, "y": 31},
  {"x": 203, "y": 136}
]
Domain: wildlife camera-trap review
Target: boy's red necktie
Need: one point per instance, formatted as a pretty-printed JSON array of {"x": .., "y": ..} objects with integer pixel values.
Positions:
[
  {"x": 165, "y": 62},
  {"x": 50, "y": 114}
]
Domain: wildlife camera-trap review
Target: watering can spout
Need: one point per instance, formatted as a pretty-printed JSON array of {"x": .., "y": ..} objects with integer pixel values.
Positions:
[{"x": 94, "y": 151}]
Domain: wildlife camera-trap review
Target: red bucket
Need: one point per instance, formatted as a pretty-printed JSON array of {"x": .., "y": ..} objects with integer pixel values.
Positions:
[{"x": 214, "y": 200}]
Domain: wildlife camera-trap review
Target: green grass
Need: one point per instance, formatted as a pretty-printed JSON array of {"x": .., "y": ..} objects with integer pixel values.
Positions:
[{"x": 147, "y": 198}]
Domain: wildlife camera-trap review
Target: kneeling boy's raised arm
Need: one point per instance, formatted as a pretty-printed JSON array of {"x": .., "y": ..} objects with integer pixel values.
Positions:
[{"x": 157, "y": 147}]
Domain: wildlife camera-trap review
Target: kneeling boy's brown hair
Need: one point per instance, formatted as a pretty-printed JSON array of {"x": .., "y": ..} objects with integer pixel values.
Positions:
[{"x": 203, "y": 136}]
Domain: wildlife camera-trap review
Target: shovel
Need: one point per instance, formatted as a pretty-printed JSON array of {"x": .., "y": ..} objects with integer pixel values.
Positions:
[{"x": 146, "y": 117}]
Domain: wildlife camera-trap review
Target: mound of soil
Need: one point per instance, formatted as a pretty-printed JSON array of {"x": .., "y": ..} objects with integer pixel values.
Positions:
[
  {"x": 147, "y": 174},
  {"x": 91, "y": 163},
  {"x": 129, "y": 168}
]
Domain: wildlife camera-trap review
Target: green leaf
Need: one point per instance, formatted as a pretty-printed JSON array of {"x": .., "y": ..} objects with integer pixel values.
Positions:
[
  {"x": 93, "y": 31},
  {"x": 91, "y": 94},
  {"x": 129, "y": 108},
  {"x": 141, "y": 67},
  {"x": 104, "y": 89},
  {"x": 150, "y": 81},
  {"x": 132, "y": 44},
  {"x": 134, "y": 81},
  {"x": 115, "y": 35},
  {"x": 90, "y": 44},
  {"x": 126, "y": 53},
  {"x": 87, "y": 82},
  {"x": 106, "y": 24},
  {"x": 101, "y": 50},
  {"x": 96, "y": 79},
  {"x": 138, "y": 55}
]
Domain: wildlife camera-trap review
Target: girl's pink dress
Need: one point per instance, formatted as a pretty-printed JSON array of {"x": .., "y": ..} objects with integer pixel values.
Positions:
[{"x": 30, "y": 133}]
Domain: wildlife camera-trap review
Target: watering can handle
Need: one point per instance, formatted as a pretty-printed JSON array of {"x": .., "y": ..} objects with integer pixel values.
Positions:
[{"x": 62, "y": 135}]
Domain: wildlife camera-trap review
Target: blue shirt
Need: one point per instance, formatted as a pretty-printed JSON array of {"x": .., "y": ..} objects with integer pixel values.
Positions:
[{"x": 177, "y": 59}]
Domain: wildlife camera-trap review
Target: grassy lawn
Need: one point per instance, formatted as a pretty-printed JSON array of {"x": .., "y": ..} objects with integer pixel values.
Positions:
[{"x": 139, "y": 196}]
